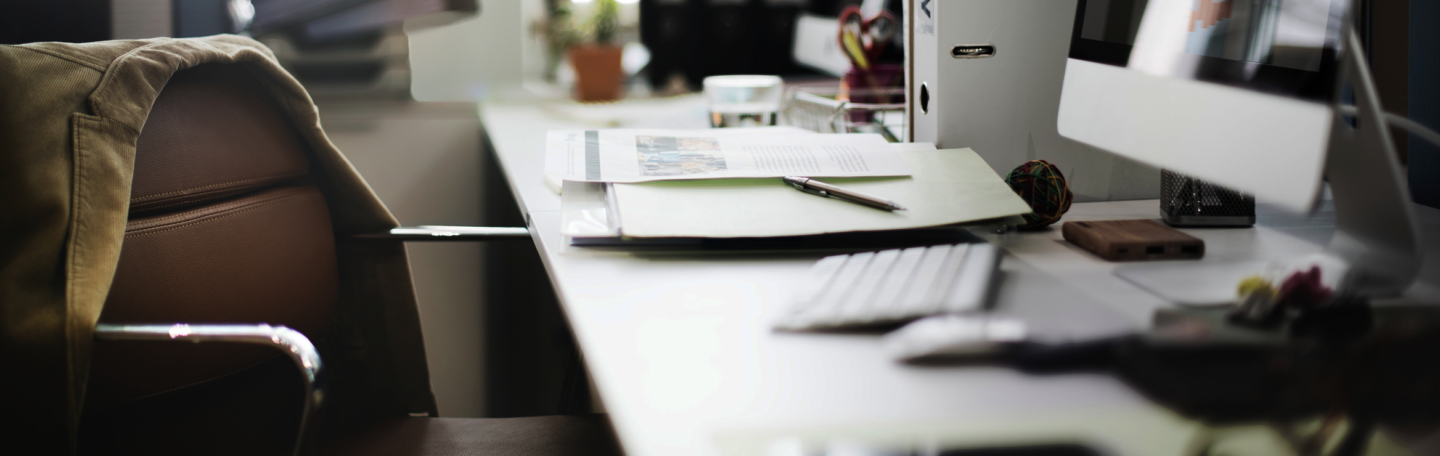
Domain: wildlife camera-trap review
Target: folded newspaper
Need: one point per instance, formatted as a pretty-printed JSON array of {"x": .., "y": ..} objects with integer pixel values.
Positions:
[{"x": 638, "y": 155}]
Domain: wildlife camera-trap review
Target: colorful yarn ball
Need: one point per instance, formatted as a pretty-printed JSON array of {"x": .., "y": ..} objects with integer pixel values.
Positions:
[{"x": 1042, "y": 186}]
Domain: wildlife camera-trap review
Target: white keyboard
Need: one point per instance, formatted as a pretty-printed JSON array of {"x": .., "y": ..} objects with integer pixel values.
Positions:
[{"x": 892, "y": 286}]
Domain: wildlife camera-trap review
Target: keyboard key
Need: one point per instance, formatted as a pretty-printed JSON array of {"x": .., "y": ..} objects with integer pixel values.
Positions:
[
  {"x": 887, "y": 298},
  {"x": 857, "y": 306},
  {"x": 972, "y": 284},
  {"x": 944, "y": 280},
  {"x": 825, "y": 308},
  {"x": 892, "y": 286},
  {"x": 817, "y": 281},
  {"x": 924, "y": 280}
]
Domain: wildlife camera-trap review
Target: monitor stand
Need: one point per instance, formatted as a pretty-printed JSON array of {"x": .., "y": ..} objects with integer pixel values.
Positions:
[{"x": 1375, "y": 228}]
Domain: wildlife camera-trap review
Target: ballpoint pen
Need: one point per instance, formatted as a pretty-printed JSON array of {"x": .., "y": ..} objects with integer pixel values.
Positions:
[{"x": 815, "y": 187}]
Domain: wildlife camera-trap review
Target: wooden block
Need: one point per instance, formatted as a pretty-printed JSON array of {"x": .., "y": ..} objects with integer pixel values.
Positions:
[{"x": 1133, "y": 240}]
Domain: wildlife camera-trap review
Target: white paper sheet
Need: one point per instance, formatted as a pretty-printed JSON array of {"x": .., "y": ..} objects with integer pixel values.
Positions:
[
  {"x": 947, "y": 187},
  {"x": 626, "y": 155}
]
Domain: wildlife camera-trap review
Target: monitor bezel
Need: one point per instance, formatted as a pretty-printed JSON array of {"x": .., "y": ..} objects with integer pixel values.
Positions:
[{"x": 1315, "y": 86}]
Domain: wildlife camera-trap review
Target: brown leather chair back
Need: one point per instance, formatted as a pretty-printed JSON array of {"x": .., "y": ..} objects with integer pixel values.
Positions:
[{"x": 224, "y": 227}]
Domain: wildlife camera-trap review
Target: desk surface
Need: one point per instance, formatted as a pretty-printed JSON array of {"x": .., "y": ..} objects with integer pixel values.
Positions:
[{"x": 682, "y": 354}]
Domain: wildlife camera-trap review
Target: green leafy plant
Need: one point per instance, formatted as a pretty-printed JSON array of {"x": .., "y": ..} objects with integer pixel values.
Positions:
[
  {"x": 604, "y": 24},
  {"x": 559, "y": 33}
]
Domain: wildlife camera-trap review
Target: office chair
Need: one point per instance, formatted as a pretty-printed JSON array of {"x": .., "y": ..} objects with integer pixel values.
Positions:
[{"x": 230, "y": 242}]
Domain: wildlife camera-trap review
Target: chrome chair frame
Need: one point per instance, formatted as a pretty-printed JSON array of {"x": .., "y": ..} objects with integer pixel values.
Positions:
[
  {"x": 292, "y": 342},
  {"x": 449, "y": 233}
]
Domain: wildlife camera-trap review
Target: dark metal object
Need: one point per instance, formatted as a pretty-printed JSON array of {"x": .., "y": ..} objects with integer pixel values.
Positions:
[
  {"x": 1187, "y": 201},
  {"x": 972, "y": 51}
]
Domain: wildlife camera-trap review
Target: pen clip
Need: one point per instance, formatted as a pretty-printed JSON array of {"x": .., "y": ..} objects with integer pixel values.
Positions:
[{"x": 812, "y": 191}]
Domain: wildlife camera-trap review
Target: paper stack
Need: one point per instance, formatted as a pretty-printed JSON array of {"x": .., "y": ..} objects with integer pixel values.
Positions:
[{"x": 633, "y": 184}]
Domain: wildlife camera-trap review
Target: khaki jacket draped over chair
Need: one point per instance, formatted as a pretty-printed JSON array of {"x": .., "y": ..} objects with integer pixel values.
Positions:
[{"x": 70, "y": 115}]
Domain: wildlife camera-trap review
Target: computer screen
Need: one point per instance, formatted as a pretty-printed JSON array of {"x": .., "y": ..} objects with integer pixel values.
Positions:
[
  {"x": 1283, "y": 47},
  {"x": 1235, "y": 92},
  {"x": 1244, "y": 94}
]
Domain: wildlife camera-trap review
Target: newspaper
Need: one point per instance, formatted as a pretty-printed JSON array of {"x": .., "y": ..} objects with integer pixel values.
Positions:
[{"x": 637, "y": 155}]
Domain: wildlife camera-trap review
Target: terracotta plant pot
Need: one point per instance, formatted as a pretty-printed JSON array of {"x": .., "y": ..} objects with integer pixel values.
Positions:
[{"x": 597, "y": 72}]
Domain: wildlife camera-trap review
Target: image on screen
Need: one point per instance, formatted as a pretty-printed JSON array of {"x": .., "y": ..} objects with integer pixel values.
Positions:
[{"x": 1282, "y": 46}]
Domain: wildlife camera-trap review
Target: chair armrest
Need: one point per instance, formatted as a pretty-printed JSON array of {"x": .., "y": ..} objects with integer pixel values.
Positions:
[
  {"x": 291, "y": 342},
  {"x": 449, "y": 233}
]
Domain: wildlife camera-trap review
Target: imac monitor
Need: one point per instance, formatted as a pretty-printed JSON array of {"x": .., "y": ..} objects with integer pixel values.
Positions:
[
  {"x": 1245, "y": 94},
  {"x": 1236, "y": 92}
]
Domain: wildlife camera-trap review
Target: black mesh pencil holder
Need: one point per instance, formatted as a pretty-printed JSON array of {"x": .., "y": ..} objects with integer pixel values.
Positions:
[{"x": 1187, "y": 201}]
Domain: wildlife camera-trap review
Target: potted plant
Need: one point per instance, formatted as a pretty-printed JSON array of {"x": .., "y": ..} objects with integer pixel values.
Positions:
[{"x": 598, "y": 74}]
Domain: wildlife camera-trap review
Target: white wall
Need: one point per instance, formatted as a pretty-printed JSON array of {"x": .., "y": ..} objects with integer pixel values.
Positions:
[
  {"x": 471, "y": 60},
  {"x": 133, "y": 19},
  {"x": 423, "y": 161},
  {"x": 497, "y": 55}
]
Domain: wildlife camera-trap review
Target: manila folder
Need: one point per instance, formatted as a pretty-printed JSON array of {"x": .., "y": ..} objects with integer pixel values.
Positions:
[{"x": 946, "y": 187}]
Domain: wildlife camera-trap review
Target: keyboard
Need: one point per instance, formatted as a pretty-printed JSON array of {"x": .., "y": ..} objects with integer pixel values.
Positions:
[{"x": 892, "y": 286}]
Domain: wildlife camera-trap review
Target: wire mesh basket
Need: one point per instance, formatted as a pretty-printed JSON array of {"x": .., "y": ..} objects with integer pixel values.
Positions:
[
  {"x": 825, "y": 110},
  {"x": 1187, "y": 201}
]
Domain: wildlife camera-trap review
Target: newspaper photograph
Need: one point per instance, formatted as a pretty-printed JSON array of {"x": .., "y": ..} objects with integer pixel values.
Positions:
[{"x": 633, "y": 155}]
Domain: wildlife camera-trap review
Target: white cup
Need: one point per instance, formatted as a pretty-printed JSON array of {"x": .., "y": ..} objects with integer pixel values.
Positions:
[{"x": 744, "y": 100}]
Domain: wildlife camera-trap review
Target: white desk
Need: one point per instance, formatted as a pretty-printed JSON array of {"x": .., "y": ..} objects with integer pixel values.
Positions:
[{"x": 682, "y": 354}]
